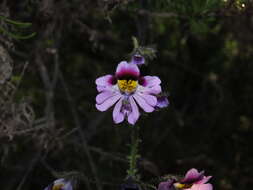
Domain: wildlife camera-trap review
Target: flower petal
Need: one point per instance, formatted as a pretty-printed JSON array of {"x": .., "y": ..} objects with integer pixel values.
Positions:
[
  {"x": 151, "y": 81},
  {"x": 207, "y": 186},
  {"x": 138, "y": 59},
  {"x": 108, "y": 102},
  {"x": 104, "y": 82},
  {"x": 153, "y": 90},
  {"x": 162, "y": 102},
  {"x": 65, "y": 185},
  {"x": 204, "y": 180},
  {"x": 101, "y": 88},
  {"x": 118, "y": 116},
  {"x": 68, "y": 186},
  {"x": 100, "y": 98},
  {"x": 143, "y": 104},
  {"x": 150, "y": 85},
  {"x": 127, "y": 69},
  {"x": 168, "y": 185},
  {"x": 193, "y": 176},
  {"x": 134, "y": 114},
  {"x": 151, "y": 100}
]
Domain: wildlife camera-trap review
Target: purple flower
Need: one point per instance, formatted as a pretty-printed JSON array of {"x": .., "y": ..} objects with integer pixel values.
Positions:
[
  {"x": 162, "y": 102},
  {"x": 166, "y": 185},
  {"x": 194, "y": 180},
  {"x": 127, "y": 90},
  {"x": 60, "y": 184},
  {"x": 138, "y": 59}
]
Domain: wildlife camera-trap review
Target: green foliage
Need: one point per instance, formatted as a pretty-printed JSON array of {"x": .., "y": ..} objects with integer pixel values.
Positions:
[
  {"x": 16, "y": 35},
  {"x": 148, "y": 52},
  {"x": 188, "y": 8},
  {"x": 16, "y": 23},
  {"x": 16, "y": 79}
]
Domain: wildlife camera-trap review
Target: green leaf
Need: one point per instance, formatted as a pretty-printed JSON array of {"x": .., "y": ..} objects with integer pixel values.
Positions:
[
  {"x": 17, "y": 36},
  {"x": 16, "y": 23}
]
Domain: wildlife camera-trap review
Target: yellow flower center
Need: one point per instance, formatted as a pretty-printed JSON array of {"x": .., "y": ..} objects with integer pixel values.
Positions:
[
  {"x": 182, "y": 186},
  {"x": 57, "y": 187},
  {"x": 127, "y": 86}
]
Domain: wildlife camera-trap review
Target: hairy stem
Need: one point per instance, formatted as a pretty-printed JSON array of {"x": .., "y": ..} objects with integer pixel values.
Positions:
[{"x": 133, "y": 156}]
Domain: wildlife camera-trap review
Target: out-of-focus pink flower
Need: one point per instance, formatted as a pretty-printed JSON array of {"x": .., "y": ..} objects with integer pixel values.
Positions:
[
  {"x": 60, "y": 184},
  {"x": 127, "y": 89},
  {"x": 166, "y": 185},
  {"x": 194, "y": 180}
]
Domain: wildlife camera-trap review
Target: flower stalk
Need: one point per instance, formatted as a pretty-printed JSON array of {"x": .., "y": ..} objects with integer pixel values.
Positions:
[{"x": 133, "y": 157}]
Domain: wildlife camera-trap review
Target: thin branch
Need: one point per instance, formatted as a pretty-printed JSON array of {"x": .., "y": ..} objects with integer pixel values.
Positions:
[
  {"x": 78, "y": 125},
  {"x": 30, "y": 169},
  {"x": 56, "y": 68},
  {"x": 108, "y": 155},
  {"x": 21, "y": 77},
  {"x": 49, "y": 110}
]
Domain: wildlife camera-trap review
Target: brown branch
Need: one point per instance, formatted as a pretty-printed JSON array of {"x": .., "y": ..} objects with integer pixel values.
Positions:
[{"x": 49, "y": 110}]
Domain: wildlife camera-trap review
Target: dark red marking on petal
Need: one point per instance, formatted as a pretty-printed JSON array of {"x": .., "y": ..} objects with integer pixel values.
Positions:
[
  {"x": 112, "y": 80},
  {"x": 127, "y": 74},
  {"x": 142, "y": 81}
]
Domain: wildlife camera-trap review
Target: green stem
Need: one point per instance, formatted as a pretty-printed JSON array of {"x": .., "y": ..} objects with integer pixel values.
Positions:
[{"x": 133, "y": 156}]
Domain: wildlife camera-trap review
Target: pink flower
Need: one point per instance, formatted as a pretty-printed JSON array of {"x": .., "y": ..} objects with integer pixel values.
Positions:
[
  {"x": 166, "y": 185},
  {"x": 194, "y": 180},
  {"x": 127, "y": 90}
]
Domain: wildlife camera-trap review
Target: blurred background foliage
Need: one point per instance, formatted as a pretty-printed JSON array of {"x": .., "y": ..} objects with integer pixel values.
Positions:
[{"x": 49, "y": 126}]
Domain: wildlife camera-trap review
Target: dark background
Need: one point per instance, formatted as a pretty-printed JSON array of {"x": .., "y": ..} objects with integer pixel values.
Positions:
[{"x": 50, "y": 127}]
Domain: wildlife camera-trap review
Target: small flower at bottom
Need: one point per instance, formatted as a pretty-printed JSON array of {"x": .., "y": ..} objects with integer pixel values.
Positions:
[
  {"x": 127, "y": 90},
  {"x": 60, "y": 184},
  {"x": 193, "y": 180},
  {"x": 166, "y": 185}
]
